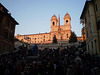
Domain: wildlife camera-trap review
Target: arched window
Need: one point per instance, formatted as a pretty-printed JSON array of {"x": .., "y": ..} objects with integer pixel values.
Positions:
[
  {"x": 61, "y": 37},
  {"x": 67, "y": 35},
  {"x": 53, "y": 23},
  {"x": 67, "y": 21},
  {"x": 44, "y": 40},
  {"x": 44, "y": 36},
  {"x": 35, "y": 38}
]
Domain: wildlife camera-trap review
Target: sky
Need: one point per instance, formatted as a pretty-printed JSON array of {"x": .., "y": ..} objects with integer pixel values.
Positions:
[{"x": 34, "y": 16}]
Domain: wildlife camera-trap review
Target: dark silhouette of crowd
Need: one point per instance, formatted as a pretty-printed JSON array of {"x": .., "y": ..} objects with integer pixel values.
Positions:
[{"x": 70, "y": 60}]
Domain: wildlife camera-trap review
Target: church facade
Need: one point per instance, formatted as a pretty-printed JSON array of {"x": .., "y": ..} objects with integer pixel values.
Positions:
[{"x": 62, "y": 32}]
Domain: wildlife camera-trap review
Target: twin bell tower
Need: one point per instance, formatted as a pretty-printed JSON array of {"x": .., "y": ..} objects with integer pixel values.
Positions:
[{"x": 61, "y": 31}]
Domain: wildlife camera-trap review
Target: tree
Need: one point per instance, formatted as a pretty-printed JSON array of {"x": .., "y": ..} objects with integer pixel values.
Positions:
[
  {"x": 54, "y": 39},
  {"x": 73, "y": 37}
]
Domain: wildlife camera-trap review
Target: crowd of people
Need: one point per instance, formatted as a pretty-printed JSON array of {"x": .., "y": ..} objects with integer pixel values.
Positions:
[{"x": 70, "y": 60}]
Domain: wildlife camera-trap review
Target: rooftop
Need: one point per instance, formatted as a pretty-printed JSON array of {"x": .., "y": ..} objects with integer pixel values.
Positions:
[{"x": 6, "y": 12}]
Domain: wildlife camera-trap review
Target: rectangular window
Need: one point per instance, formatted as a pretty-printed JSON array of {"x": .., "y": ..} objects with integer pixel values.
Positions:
[
  {"x": 88, "y": 48},
  {"x": 92, "y": 44},
  {"x": 6, "y": 34},
  {"x": 86, "y": 32},
  {"x": 4, "y": 47},
  {"x": 7, "y": 22},
  {"x": 96, "y": 8},
  {"x": 98, "y": 25},
  {"x": 88, "y": 14},
  {"x": 44, "y": 40},
  {"x": 85, "y": 20},
  {"x": 90, "y": 28},
  {"x": 0, "y": 18},
  {"x": 11, "y": 38},
  {"x": 67, "y": 35},
  {"x": 12, "y": 26},
  {"x": 9, "y": 48}
]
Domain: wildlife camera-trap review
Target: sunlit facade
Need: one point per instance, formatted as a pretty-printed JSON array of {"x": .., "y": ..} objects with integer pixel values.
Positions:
[
  {"x": 62, "y": 32},
  {"x": 83, "y": 34}
]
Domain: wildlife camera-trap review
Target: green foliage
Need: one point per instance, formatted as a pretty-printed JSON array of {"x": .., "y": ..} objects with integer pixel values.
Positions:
[
  {"x": 54, "y": 39},
  {"x": 72, "y": 38}
]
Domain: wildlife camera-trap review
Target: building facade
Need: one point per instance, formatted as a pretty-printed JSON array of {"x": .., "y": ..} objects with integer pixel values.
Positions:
[
  {"x": 83, "y": 34},
  {"x": 91, "y": 17},
  {"x": 62, "y": 32},
  {"x": 7, "y": 30}
]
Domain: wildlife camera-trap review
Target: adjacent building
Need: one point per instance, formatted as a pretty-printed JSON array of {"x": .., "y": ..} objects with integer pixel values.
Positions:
[
  {"x": 91, "y": 17},
  {"x": 83, "y": 34},
  {"x": 7, "y": 30}
]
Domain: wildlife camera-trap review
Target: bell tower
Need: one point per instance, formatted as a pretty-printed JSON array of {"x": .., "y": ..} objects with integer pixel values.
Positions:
[
  {"x": 67, "y": 19},
  {"x": 53, "y": 23},
  {"x": 67, "y": 26}
]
